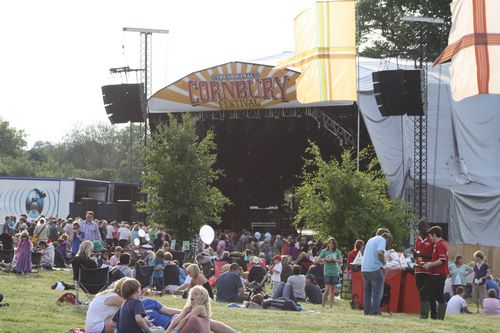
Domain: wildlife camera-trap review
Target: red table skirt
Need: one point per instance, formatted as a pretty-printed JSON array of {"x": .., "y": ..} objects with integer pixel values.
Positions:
[{"x": 404, "y": 293}]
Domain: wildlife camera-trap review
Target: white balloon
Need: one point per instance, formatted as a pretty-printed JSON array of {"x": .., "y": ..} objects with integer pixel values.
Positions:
[
  {"x": 137, "y": 242},
  {"x": 147, "y": 238},
  {"x": 267, "y": 236},
  {"x": 257, "y": 235},
  {"x": 207, "y": 234},
  {"x": 142, "y": 233}
]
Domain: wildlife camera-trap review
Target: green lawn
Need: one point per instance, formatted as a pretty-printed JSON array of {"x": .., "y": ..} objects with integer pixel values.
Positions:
[{"x": 33, "y": 309}]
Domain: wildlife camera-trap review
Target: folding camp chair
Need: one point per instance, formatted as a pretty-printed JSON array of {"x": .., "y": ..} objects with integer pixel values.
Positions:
[
  {"x": 36, "y": 258},
  {"x": 143, "y": 274},
  {"x": 6, "y": 256},
  {"x": 171, "y": 275},
  {"x": 91, "y": 282}
]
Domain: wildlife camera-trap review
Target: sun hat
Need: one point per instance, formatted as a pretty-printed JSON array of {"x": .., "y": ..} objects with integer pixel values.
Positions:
[
  {"x": 256, "y": 260},
  {"x": 98, "y": 247}
]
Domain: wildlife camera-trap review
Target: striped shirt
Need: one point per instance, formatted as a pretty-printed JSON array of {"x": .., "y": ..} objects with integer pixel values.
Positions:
[{"x": 91, "y": 230}]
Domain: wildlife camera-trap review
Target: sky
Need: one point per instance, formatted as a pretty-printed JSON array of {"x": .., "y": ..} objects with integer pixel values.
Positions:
[{"x": 56, "y": 55}]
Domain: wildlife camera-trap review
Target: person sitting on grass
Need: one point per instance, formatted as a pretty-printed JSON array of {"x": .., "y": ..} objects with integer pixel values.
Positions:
[
  {"x": 198, "y": 279},
  {"x": 48, "y": 254},
  {"x": 123, "y": 266},
  {"x": 195, "y": 315},
  {"x": 1, "y": 299},
  {"x": 294, "y": 289},
  {"x": 131, "y": 316},
  {"x": 229, "y": 286},
  {"x": 115, "y": 258},
  {"x": 257, "y": 273},
  {"x": 312, "y": 290},
  {"x": 491, "y": 304},
  {"x": 457, "y": 304},
  {"x": 103, "y": 307}
]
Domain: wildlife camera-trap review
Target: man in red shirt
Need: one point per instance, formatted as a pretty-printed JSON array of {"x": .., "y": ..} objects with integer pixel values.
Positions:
[
  {"x": 423, "y": 254},
  {"x": 432, "y": 290}
]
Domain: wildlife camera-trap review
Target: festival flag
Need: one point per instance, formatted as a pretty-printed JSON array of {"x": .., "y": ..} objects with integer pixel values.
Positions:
[
  {"x": 325, "y": 43},
  {"x": 474, "y": 48}
]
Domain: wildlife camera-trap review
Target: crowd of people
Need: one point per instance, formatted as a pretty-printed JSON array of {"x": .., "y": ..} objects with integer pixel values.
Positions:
[{"x": 245, "y": 268}]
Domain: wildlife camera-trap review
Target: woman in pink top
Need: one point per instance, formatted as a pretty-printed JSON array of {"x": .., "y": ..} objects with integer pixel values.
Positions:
[{"x": 491, "y": 304}]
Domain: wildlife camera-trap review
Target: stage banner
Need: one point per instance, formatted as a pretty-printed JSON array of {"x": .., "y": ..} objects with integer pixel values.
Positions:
[
  {"x": 473, "y": 48},
  {"x": 325, "y": 42},
  {"x": 230, "y": 86}
]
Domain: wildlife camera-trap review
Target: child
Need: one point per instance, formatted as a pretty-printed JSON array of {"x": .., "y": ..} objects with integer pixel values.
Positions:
[
  {"x": 23, "y": 253},
  {"x": 64, "y": 247},
  {"x": 115, "y": 258},
  {"x": 481, "y": 272},
  {"x": 78, "y": 238},
  {"x": 159, "y": 264},
  {"x": 198, "y": 305},
  {"x": 248, "y": 255},
  {"x": 131, "y": 316}
]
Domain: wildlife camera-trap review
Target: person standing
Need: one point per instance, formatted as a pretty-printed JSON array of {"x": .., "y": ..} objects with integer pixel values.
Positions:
[
  {"x": 373, "y": 275},
  {"x": 330, "y": 257},
  {"x": 481, "y": 273},
  {"x": 459, "y": 273},
  {"x": 90, "y": 228},
  {"x": 433, "y": 289},
  {"x": 423, "y": 254}
]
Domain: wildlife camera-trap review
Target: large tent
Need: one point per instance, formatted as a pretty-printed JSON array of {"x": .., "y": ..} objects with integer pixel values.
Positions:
[{"x": 463, "y": 149}]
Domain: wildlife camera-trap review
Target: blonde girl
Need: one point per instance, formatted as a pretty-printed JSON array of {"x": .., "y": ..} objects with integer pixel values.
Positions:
[
  {"x": 196, "y": 313},
  {"x": 103, "y": 307}
]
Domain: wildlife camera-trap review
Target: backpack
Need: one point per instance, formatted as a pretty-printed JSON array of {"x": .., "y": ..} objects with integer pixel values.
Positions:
[
  {"x": 66, "y": 298},
  {"x": 280, "y": 304}
]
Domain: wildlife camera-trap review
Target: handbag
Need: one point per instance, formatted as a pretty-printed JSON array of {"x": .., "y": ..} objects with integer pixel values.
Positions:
[{"x": 36, "y": 237}]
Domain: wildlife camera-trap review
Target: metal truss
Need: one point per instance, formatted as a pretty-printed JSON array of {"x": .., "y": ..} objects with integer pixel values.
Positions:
[{"x": 344, "y": 135}]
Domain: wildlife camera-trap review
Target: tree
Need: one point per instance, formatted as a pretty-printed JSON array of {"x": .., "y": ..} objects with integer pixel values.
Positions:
[
  {"x": 12, "y": 140},
  {"x": 337, "y": 200},
  {"x": 381, "y": 30},
  {"x": 178, "y": 178}
]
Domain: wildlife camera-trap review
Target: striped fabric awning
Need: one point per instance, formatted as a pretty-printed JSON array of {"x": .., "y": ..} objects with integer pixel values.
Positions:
[
  {"x": 326, "y": 52},
  {"x": 474, "y": 48}
]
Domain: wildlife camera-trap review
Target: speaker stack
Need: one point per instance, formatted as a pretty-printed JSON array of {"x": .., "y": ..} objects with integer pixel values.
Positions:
[
  {"x": 399, "y": 92},
  {"x": 124, "y": 102}
]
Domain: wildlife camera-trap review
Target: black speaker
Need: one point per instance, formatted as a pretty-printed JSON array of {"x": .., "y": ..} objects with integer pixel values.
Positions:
[
  {"x": 89, "y": 204},
  {"x": 106, "y": 211},
  {"x": 124, "y": 210},
  {"x": 398, "y": 92},
  {"x": 124, "y": 102},
  {"x": 76, "y": 210}
]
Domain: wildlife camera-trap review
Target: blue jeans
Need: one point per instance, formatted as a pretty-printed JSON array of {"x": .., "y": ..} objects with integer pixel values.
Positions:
[
  {"x": 284, "y": 290},
  {"x": 373, "y": 285}
]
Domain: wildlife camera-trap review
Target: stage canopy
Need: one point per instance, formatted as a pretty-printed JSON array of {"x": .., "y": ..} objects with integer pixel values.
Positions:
[{"x": 463, "y": 137}]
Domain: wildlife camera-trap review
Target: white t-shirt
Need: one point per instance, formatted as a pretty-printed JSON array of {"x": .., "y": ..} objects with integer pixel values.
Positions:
[
  {"x": 456, "y": 304},
  {"x": 109, "y": 232},
  {"x": 298, "y": 283},
  {"x": 98, "y": 312},
  {"x": 276, "y": 276},
  {"x": 448, "y": 287},
  {"x": 123, "y": 233}
]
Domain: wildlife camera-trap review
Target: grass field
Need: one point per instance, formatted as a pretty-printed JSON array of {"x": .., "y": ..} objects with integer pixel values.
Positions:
[{"x": 33, "y": 309}]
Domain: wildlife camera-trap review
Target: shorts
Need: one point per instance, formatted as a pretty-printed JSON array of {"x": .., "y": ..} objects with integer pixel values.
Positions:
[
  {"x": 332, "y": 280},
  {"x": 478, "y": 293}
]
